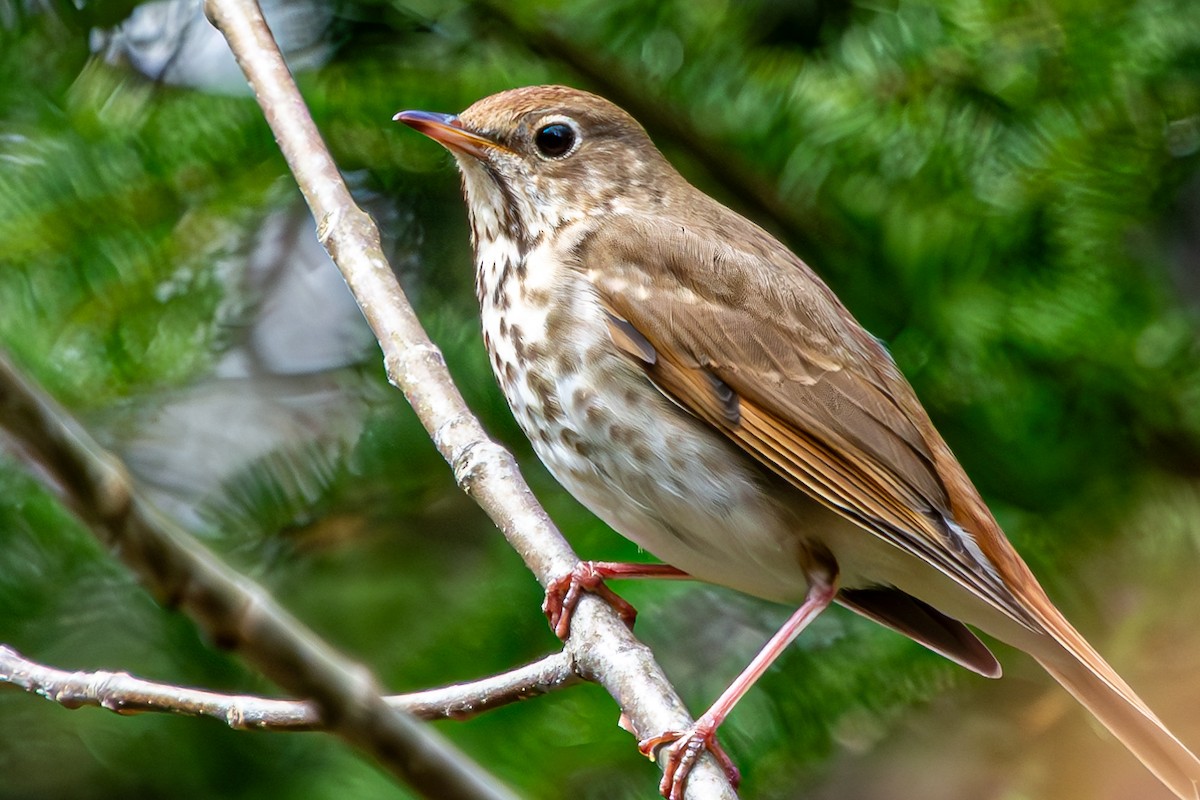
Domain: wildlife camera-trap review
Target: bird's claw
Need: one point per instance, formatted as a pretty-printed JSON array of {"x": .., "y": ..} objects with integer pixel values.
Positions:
[
  {"x": 562, "y": 596},
  {"x": 684, "y": 748}
]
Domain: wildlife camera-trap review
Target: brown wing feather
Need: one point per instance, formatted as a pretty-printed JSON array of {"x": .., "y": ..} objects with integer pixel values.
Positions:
[
  {"x": 816, "y": 396},
  {"x": 819, "y": 402}
]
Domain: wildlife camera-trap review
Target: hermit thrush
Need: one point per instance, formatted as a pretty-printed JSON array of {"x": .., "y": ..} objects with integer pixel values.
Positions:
[{"x": 698, "y": 387}]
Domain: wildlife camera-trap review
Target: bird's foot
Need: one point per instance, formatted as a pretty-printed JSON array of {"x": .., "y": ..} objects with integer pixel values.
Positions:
[
  {"x": 562, "y": 596},
  {"x": 684, "y": 748}
]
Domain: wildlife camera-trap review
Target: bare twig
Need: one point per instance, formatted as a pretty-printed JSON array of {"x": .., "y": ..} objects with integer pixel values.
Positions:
[
  {"x": 122, "y": 693},
  {"x": 603, "y": 647},
  {"x": 235, "y": 612}
]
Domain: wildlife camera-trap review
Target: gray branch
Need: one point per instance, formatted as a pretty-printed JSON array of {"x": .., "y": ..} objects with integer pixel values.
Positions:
[
  {"x": 123, "y": 693},
  {"x": 235, "y": 612},
  {"x": 602, "y": 646}
]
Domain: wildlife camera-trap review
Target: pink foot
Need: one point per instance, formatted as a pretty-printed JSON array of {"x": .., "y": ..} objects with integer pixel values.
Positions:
[
  {"x": 563, "y": 595},
  {"x": 588, "y": 576},
  {"x": 684, "y": 748},
  {"x": 687, "y": 746}
]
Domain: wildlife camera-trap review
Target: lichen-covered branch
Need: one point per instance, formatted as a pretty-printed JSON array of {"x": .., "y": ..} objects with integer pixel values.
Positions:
[
  {"x": 123, "y": 693},
  {"x": 236, "y": 613}
]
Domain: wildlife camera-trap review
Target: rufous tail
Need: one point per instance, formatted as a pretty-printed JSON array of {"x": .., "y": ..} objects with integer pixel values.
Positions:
[{"x": 1095, "y": 684}]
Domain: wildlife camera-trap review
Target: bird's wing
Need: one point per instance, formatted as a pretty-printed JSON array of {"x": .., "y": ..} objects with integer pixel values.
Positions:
[
  {"x": 782, "y": 369},
  {"x": 775, "y": 363}
]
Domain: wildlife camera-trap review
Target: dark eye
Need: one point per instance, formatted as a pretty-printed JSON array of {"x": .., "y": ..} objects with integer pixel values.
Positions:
[{"x": 555, "y": 140}]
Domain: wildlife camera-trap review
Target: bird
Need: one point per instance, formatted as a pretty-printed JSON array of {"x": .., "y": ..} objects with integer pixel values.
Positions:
[{"x": 699, "y": 388}]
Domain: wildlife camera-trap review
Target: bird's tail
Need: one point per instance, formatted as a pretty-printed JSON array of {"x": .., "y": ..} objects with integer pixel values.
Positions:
[{"x": 1083, "y": 673}]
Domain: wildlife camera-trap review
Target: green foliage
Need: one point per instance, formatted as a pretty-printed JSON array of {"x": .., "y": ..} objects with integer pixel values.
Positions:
[{"x": 997, "y": 189}]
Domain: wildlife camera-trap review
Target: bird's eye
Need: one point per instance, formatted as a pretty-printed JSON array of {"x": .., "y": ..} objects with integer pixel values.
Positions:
[{"x": 555, "y": 140}]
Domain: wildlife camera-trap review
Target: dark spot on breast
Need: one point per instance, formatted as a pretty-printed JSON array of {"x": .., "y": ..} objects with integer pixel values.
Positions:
[
  {"x": 539, "y": 298},
  {"x": 509, "y": 222},
  {"x": 567, "y": 362},
  {"x": 518, "y": 341},
  {"x": 543, "y": 388},
  {"x": 574, "y": 441},
  {"x": 535, "y": 354},
  {"x": 621, "y": 434}
]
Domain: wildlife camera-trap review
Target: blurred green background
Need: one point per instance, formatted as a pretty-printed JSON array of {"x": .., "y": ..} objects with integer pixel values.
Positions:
[{"x": 1008, "y": 193}]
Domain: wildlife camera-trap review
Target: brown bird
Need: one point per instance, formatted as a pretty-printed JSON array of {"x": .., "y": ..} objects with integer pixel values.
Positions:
[{"x": 698, "y": 387}]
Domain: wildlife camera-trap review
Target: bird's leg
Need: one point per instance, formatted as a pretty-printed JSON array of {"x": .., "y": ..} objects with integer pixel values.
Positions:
[
  {"x": 687, "y": 746},
  {"x": 588, "y": 576}
]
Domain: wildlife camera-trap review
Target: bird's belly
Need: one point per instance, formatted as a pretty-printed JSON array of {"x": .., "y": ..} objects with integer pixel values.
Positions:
[
  {"x": 677, "y": 490},
  {"x": 651, "y": 471},
  {"x": 664, "y": 479}
]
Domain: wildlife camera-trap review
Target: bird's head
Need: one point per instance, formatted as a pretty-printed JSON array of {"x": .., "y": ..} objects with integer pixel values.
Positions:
[{"x": 535, "y": 158}]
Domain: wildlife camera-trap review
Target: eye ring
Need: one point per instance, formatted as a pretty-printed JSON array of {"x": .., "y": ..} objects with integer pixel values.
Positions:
[{"x": 556, "y": 138}]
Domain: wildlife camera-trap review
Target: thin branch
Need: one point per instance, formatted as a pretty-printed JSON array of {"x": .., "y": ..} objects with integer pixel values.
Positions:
[
  {"x": 235, "y": 612},
  {"x": 122, "y": 693},
  {"x": 602, "y": 646}
]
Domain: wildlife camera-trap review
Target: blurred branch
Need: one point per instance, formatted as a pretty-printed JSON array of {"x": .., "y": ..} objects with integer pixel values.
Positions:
[
  {"x": 603, "y": 648},
  {"x": 235, "y": 612},
  {"x": 122, "y": 693}
]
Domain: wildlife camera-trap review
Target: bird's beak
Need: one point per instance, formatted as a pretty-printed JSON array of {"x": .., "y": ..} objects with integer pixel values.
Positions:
[{"x": 448, "y": 130}]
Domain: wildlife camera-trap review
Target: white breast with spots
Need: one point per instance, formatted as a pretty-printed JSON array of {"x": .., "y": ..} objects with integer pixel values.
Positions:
[{"x": 650, "y": 470}]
